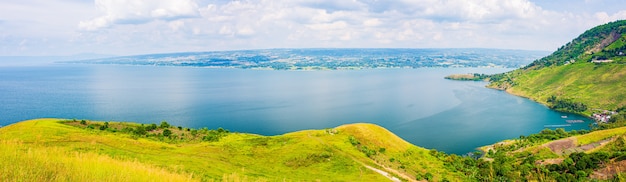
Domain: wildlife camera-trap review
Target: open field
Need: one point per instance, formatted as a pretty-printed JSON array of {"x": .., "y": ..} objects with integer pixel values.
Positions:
[{"x": 327, "y": 155}]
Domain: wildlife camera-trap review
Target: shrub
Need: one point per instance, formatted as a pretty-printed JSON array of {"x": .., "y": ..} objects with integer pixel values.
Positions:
[
  {"x": 164, "y": 124},
  {"x": 167, "y": 133},
  {"x": 222, "y": 130},
  {"x": 83, "y": 122},
  {"x": 428, "y": 176},
  {"x": 140, "y": 131},
  {"x": 354, "y": 141},
  {"x": 419, "y": 177},
  {"x": 151, "y": 127}
]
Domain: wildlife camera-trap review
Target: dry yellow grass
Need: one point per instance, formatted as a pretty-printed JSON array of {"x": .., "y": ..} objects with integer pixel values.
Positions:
[{"x": 41, "y": 163}]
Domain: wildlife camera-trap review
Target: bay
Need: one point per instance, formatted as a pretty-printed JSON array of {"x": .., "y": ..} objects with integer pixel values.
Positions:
[{"x": 416, "y": 104}]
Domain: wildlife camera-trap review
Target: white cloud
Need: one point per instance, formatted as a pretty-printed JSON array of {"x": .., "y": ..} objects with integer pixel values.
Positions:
[
  {"x": 138, "y": 12},
  {"x": 605, "y": 17},
  {"x": 149, "y": 26}
]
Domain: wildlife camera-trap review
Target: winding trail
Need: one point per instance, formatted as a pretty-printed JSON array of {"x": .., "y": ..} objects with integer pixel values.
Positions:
[
  {"x": 379, "y": 171},
  {"x": 386, "y": 174}
]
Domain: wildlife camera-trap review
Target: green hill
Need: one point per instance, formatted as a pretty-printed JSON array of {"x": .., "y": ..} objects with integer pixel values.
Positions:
[
  {"x": 70, "y": 150},
  {"x": 66, "y": 150},
  {"x": 584, "y": 76}
]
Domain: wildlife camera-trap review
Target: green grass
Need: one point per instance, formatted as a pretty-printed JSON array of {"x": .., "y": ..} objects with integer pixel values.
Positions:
[
  {"x": 599, "y": 86},
  {"x": 600, "y": 135},
  {"x": 309, "y": 155}
]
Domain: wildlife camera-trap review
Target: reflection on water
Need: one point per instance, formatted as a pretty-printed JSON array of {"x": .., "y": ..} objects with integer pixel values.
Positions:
[{"x": 417, "y": 104}]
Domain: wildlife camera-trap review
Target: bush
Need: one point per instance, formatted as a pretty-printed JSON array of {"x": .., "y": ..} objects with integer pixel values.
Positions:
[
  {"x": 382, "y": 150},
  {"x": 419, "y": 177},
  {"x": 167, "y": 133},
  {"x": 354, "y": 141},
  {"x": 428, "y": 176},
  {"x": 222, "y": 130},
  {"x": 140, "y": 131},
  {"x": 164, "y": 124},
  {"x": 151, "y": 127},
  {"x": 83, "y": 122}
]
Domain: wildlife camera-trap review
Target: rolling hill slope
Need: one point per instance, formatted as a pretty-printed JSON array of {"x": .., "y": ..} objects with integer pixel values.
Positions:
[
  {"x": 584, "y": 76},
  {"x": 62, "y": 150}
]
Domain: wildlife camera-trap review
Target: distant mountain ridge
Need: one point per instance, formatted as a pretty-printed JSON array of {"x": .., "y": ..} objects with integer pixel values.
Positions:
[
  {"x": 586, "y": 76},
  {"x": 592, "y": 44},
  {"x": 331, "y": 59}
]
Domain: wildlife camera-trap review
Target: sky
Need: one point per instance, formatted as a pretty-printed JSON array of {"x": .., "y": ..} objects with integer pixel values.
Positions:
[{"x": 132, "y": 27}]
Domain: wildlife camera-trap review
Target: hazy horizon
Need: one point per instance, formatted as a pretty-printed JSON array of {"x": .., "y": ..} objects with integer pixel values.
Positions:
[{"x": 106, "y": 27}]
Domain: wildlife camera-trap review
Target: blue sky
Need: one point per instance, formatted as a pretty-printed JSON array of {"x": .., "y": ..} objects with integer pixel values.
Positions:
[{"x": 129, "y": 27}]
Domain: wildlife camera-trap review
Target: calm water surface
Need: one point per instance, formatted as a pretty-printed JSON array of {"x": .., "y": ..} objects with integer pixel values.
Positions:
[{"x": 416, "y": 104}]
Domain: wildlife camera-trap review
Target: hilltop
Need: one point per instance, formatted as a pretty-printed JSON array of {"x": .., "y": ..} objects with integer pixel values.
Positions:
[
  {"x": 70, "y": 150},
  {"x": 585, "y": 76}
]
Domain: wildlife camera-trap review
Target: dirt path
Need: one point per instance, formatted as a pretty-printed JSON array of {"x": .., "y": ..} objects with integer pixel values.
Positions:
[
  {"x": 386, "y": 174},
  {"x": 559, "y": 146},
  {"x": 568, "y": 145}
]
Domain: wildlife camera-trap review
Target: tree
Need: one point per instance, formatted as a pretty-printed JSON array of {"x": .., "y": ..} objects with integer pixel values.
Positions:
[
  {"x": 151, "y": 127},
  {"x": 83, "y": 122},
  {"x": 164, "y": 124},
  {"x": 167, "y": 133},
  {"x": 140, "y": 131}
]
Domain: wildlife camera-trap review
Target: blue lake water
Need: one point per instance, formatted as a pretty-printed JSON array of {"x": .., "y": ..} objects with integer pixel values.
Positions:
[{"x": 416, "y": 104}]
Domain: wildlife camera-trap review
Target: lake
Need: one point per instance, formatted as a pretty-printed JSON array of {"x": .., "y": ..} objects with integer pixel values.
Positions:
[{"x": 416, "y": 104}]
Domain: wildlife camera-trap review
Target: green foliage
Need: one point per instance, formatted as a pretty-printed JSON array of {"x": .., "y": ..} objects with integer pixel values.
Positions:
[
  {"x": 164, "y": 124},
  {"x": 367, "y": 151},
  {"x": 151, "y": 127},
  {"x": 428, "y": 176},
  {"x": 577, "y": 48},
  {"x": 567, "y": 81},
  {"x": 83, "y": 122},
  {"x": 543, "y": 136},
  {"x": 140, "y": 130},
  {"x": 167, "y": 133},
  {"x": 105, "y": 126},
  {"x": 566, "y": 105},
  {"x": 354, "y": 141},
  {"x": 214, "y": 135}
]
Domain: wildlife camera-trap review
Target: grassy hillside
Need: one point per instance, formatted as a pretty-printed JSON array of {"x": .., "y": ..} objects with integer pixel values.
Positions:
[
  {"x": 68, "y": 150},
  {"x": 61, "y": 150},
  {"x": 598, "y": 86},
  {"x": 583, "y": 76}
]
